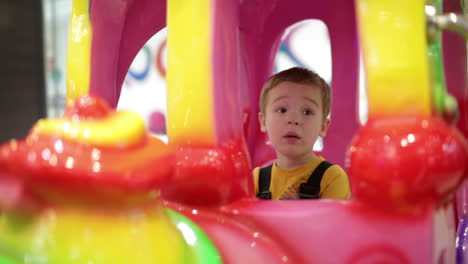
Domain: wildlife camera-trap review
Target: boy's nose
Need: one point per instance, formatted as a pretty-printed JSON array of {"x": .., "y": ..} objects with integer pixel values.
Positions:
[{"x": 294, "y": 117}]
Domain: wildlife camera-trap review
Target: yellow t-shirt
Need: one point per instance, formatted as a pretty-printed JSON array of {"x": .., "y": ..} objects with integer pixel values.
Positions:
[{"x": 285, "y": 182}]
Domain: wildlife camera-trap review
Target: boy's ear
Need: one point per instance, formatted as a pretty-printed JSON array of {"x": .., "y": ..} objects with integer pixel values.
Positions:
[
  {"x": 261, "y": 118},
  {"x": 325, "y": 126}
]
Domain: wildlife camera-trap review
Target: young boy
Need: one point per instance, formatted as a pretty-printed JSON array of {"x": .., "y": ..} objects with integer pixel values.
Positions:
[{"x": 294, "y": 108}]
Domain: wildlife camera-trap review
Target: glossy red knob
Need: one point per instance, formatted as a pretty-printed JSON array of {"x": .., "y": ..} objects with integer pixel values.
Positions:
[
  {"x": 209, "y": 176},
  {"x": 406, "y": 162},
  {"x": 88, "y": 107}
]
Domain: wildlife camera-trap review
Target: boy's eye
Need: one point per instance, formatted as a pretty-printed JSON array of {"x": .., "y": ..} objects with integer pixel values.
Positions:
[
  {"x": 281, "y": 110},
  {"x": 308, "y": 112}
]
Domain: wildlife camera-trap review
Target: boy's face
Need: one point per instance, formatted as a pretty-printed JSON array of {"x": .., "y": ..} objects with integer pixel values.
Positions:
[{"x": 293, "y": 119}]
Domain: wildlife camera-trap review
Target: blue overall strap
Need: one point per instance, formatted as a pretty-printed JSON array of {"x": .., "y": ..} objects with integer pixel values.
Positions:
[
  {"x": 264, "y": 179},
  {"x": 311, "y": 188}
]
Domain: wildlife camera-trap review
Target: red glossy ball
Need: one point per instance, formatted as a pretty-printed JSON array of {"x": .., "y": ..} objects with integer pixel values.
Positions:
[
  {"x": 406, "y": 162},
  {"x": 88, "y": 107},
  {"x": 209, "y": 176}
]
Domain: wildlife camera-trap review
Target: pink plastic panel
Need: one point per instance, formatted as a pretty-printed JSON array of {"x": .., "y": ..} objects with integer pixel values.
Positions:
[
  {"x": 454, "y": 54},
  {"x": 319, "y": 232},
  {"x": 120, "y": 29},
  {"x": 262, "y": 24}
]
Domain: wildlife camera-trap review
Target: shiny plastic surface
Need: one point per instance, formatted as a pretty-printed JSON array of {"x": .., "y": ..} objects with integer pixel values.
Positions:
[
  {"x": 462, "y": 240},
  {"x": 394, "y": 68},
  {"x": 208, "y": 176},
  {"x": 71, "y": 157},
  {"x": 94, "y": 187},
  {"x": 68, "y": 199},
  {"x": 406, "y": 162},
  {"x": 97, "y": 235},
  {"x": 79, "y": 50},
  {"x": 203, "y": 250},
  {"x": 454, "y": 49},
  {"x": 119, "y": 31},
  {"x": 435, "y": 59},
  {"x": 189, "y": 73}
]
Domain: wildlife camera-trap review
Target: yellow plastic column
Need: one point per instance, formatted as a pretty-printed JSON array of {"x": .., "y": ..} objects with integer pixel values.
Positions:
[
  {"x": 189, "y": 77},
  {"x": 393, "y": 39},
  {"x": 79, "y": 50}
]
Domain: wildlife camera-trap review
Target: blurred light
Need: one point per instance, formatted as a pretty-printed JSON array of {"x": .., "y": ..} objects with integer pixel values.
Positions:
[
  {"x": 96, "y": 167},
  {"x": 430, "y": 10},
  {"x": 53, "y": 160},
  {"x": 453, "y": 17},
  {"x": 404, "y": 142},
  {"x": 95, "y": 154},
  {"x": 188, "y": 233},
  {"x": 58, "y": 146},
  {"x": 45, "y": 154},
  {"x": 69, "y": 163},
  {"x": 66, "y": 127}
]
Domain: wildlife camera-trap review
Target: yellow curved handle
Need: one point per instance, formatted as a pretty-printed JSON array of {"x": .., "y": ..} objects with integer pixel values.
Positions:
[
  {"x": 79, "y": 50},
  {"x": 189, "y": 74},
  {"x": 393, "y": 40}
]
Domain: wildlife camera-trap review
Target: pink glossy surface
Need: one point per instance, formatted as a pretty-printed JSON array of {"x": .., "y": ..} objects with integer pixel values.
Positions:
[
  {"x": 318, "y": 232},
  {"x": 240, "y": 241},
  {"x": 454, "y": 54},
  {"x": 226, "y": 62},
  {"x": 120, "y": 29}
]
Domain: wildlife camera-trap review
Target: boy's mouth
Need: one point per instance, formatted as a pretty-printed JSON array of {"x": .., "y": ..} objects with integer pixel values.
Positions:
[{"x": 292, "y": 135}]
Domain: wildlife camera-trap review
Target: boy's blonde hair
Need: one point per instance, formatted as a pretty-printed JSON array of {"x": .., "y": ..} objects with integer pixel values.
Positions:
[{"x": 301, "y": 76}]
